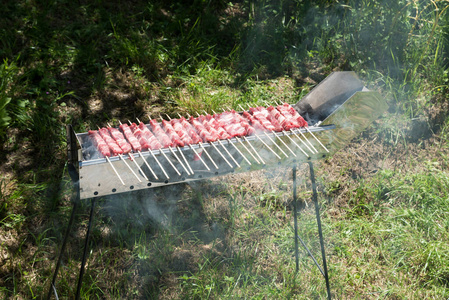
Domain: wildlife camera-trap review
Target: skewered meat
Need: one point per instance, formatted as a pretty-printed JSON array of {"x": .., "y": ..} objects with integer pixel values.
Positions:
[
  {"x": 160, "y": 134},
  {"x": 205, "y": 135},
  {"x": 232, "y": 122},
  {"x": 181, "y": 131},
  {"x": 205, "y": 128},
  {"x": 262, "y": 113},
  {"x": 130, "y": 137},
  {"x": 292, "y": 115},
  {"x": 190, "y": 130},
  {"x": 286, "y": 124},
  {"x": 192, "y": 134},
  {"x": 120, "y": 139},
  {"x": 172, "y": 133},
  {"x": 250, "y": 130},
  {"x": 98, "y": 142},
  {"x": 254, "y": 122},
  {"x": 113, "y": 146},
  {"x": 140, "y": 137},
  {"x": 153, "y": 142},
  {"x": 213, "y": 127},
  {"x": 260, "y": 116}
]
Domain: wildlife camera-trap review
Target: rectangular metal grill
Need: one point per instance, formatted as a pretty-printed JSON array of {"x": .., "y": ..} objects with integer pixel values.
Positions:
[{"x": 337, "y": 109}]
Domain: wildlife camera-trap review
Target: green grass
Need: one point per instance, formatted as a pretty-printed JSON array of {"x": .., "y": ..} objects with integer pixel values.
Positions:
[
  {"x": 405, "y": 227},
  {"x": 89, "y": 63}
]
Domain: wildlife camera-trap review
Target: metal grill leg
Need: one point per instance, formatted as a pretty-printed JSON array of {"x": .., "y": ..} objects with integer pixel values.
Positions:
[
  {"x": 86, "y": 244},
  {"x": 295, "y": 216},
  {"x": 320, "y": 231},
  {"x": 64, "y": 243}
]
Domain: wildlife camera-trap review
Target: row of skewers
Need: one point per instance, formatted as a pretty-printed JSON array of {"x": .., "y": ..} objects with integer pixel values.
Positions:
[{"x": 227, "y": 127}]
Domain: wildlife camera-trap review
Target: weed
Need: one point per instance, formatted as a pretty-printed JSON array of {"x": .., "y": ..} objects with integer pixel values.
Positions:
[{"x": 89, "y": 63}]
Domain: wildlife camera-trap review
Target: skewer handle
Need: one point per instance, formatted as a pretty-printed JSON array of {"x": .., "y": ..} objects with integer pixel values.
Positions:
[
  {"x": 129, "y": 167},
  {"x": 221, "y": 154},
  {"x": 311, "y": 133},
  {"x": 296, "y": 144},
  {"x": 113, "y": 168},
  {"x": 148, "y": 165},
  {"x": 271, "y": 149},
  {"x": 240, "y": 152},
  {"x": 137, "y": 165},
  {"x": 257, "y": 153},
  {"x": 180, "y": 162},
  {"x": 170, "y": 162},
  {"x": 226, "y": 150},
  {"x": 302, "y": 141},
  {"x": 159, "y": 163},
  {"x": 199, "y": 156},
  {"x": 307, "y": 140},
  {"x": 208, "y": 155},
  {"x": 282, "y": 141},
  {"x": 185, "y": 160},
  {"x": 280, "y": 149},
  {"x": 247, "y": 150}
]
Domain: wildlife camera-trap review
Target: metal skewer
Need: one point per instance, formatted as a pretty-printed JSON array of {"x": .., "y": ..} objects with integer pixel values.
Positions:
[
  {"x": 201, "y": 144},
  {"x": 237, "y": 149},
  {"x": 221, "y": 154},
  {"x": 185, "y": 160},
  {"x": 293, "y": 141},
  {"x": 288, "y": 136},
  {"x": 155, "y": 158},
  {"x": 129, "y": 167},
  {"x": 280, "y": 149},
  {"x": 299, "y": 138},
  {"x": 257, "y": 153},
  {"x": 182, "y": 154},
  {"x": 307, "y": 140},
  {"x": 145, "y": 161},
  {"x": 282, "y": 141},
  {"x": 268, "y": 147},
  {"x": 208, "y": 155},
  {"x": 271, "y": 141},
  {"x": 308, "y": 130},
  {"x": 159, "y": 163},
  {"x": 225, "y": 149},
  {"x": 134, "y": 160},
  {"x": 113, "y": 168},
  {"x": 148, "y": 165},
  {"x": 294, "y": 154},
  {"x": 244, "y": 146},
  {"x": 246, "y": 140},
  {"x": 199, "y": 156},
  {"x": 179, "y": 160},
  {"x": 170, "y": 162},
  {"x": 176, "y": 156},
  {"x": 109, "y": 125}
]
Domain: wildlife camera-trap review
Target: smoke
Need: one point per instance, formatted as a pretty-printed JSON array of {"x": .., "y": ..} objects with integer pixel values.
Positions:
[{"x": 145, "y": 209}]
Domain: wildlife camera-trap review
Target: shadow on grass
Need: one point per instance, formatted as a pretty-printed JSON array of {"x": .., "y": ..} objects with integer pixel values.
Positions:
[{"x": 142, "y": 239}]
